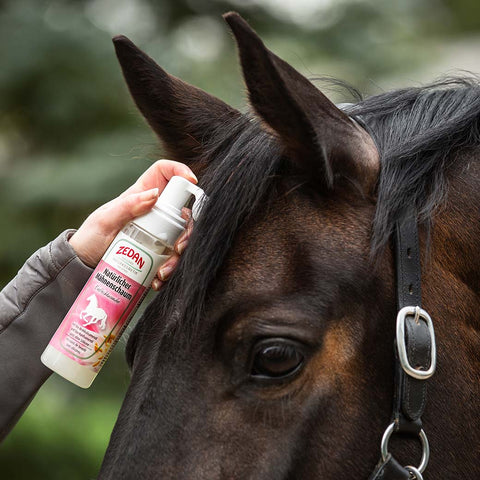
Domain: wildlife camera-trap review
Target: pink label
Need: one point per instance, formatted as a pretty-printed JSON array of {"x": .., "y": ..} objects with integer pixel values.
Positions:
[{"x": 108, "y": 300}]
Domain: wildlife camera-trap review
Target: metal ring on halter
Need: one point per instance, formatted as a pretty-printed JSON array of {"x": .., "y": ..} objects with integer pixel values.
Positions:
[
  {"x": 415, "y": 472},
  {"x": 423, "y": 440}
]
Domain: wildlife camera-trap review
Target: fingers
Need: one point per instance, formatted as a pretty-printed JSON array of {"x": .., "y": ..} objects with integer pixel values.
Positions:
[
  {"x": 165, "y": 271},
  {"x": 168, "y": 267},
  {"x": 156, "y": 284},
  {"x": 182, "y": 240},
  {"x": 159, "y": 174}
]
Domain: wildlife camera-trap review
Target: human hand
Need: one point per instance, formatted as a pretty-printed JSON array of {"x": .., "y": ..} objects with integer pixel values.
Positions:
[{"x": 97, "y": 232}]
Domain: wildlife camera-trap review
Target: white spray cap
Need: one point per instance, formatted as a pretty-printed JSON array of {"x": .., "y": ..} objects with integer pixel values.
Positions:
[{"x": 164, "y": 221}]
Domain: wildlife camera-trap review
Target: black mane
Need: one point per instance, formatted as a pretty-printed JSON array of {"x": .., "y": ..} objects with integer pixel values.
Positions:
[{"x": 418, "y": 131}]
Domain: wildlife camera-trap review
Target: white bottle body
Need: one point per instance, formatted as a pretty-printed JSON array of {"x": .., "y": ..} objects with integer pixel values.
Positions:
[{"x": 106, "y": 304}]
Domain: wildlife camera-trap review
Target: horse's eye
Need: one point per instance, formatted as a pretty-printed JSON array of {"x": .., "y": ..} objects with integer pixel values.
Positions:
[{"x": 276, "y": 358}]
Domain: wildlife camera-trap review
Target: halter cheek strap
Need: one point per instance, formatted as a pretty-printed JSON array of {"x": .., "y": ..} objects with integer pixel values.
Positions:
[
  {"x": 414, "y": 350},
  {"x": 415, "y": 355}
]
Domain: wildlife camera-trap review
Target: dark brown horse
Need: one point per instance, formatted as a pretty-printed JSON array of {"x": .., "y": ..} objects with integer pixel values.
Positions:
[{"x": 269, "y": 355}]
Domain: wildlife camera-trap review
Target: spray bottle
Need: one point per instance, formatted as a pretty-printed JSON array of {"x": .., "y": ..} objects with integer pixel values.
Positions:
[{"x": 117, "y": 286}]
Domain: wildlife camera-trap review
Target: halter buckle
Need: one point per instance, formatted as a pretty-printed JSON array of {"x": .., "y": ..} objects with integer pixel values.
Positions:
[{"x": 419, "y": 313}]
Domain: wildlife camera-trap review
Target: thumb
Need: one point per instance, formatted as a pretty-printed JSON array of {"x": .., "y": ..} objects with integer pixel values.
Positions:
[
  {"x": 91, "y": 240},
  {"x": 122, "y": 210}
]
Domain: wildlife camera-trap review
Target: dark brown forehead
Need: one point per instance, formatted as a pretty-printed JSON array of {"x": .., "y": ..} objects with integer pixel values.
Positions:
[{"x": 297, "y": 243}]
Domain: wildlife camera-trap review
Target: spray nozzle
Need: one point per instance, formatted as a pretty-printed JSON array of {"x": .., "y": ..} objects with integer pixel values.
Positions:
[
  {"x": 200, "y": 200},
  {"x": 177, "y": 193},
  {"x": 164, "y": 220}
]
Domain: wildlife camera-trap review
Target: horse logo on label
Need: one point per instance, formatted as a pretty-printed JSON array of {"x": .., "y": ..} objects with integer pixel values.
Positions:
[{"x": 93, "y": 314}]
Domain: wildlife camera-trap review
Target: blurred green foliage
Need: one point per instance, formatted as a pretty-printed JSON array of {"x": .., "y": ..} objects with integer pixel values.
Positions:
[{"x": 71, "y": 139}]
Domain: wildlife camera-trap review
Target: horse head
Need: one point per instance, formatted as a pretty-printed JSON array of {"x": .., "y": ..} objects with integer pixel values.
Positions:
[
  {"x": 269, "y": 353},
  {"x": 92, "y": 299}
]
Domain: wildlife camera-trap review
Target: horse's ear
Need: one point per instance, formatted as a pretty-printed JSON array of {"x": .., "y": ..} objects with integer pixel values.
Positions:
[
  {"x": 321, "y": 138},
  {"x": 183, "y": 116}
]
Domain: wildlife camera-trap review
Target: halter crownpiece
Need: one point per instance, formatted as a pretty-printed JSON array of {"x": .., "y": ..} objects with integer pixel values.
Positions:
[{"x": 415, "y": 355}]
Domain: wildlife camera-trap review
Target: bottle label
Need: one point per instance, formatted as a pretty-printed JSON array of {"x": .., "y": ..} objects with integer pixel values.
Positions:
[{"x": 109, "y": 298}]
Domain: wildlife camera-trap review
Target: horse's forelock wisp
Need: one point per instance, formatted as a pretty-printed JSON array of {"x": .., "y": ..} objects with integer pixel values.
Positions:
[
  {"x": 243, "y": 164},
  {"x": 269, "y": 353}
]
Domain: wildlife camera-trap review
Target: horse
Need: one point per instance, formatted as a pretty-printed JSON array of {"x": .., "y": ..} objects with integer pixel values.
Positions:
[
  {"x": 269, "y": 354},
  {"x": 95, "y": 313}
]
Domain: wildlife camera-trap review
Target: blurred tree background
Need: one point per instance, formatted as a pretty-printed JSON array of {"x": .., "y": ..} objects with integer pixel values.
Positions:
[{"x": 71, "y": 139}]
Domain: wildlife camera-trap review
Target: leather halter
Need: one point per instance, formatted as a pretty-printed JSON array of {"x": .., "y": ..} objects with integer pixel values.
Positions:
[
  {"x": 414, "y": 348},
  {"x": 415, "y": 355}
]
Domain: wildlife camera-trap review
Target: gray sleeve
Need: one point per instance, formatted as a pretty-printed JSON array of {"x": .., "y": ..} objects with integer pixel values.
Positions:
[{"x": 32, "y": 306}]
